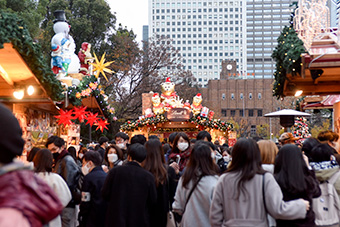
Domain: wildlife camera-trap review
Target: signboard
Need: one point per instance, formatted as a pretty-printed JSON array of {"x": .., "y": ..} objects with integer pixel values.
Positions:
[
  {"x": 232, "y": 139},
  {"x": 178, "y": 114}
]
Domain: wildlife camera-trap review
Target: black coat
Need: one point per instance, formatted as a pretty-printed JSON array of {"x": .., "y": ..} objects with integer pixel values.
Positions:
[
  {"x": 93, "y": 207},
  {"x": 313, "y": 191},
  {"x": 131, "y": 195},
  {"x": 101, "y": 151}
]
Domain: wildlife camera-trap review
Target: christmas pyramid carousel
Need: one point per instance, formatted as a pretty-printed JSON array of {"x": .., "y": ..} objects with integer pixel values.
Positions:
[{"x": 166, "y": 113}]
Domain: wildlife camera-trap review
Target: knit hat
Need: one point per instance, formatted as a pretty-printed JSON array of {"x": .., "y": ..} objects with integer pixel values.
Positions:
[{"x": 11, "y": 142}]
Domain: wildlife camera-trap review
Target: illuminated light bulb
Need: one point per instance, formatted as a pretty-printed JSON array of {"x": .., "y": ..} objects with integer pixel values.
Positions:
[
  {"x": 30, "y": 90},
  {"x": 18, "y": 94},
  {"x": 298, "y": 93}
]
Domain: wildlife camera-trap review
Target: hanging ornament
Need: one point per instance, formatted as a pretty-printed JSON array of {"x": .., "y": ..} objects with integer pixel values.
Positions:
[
  {"x": 100, "y": 66},
  {"x": 91, "y": 119},
  {"x": 65, "y": 117},
  {"x": 101, "y": 124},
  {"x": 80, "y": 113}
]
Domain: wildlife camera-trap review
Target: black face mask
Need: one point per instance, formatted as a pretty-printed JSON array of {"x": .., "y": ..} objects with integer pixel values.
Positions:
[{"x": 55, "y": 156}]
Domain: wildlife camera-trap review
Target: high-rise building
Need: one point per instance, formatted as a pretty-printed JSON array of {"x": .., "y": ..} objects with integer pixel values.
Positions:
[
  {"x": 265, "y": 21},
  {"x": 206, "y": 32}
]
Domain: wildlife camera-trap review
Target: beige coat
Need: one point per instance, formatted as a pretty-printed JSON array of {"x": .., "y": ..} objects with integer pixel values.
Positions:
[{"x": 248, "y": 209}]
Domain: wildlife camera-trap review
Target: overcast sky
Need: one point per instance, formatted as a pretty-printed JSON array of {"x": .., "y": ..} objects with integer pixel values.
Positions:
[{"x": 131, "y": 13}]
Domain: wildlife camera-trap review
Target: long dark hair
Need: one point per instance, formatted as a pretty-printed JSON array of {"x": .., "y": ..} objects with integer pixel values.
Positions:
[
  {"x": 43, "y": 161},
  {"x": 154, "y": 162},
  {"x": 246, "y": 159},
  {"x": 179, "y": 135},
  {"x": 290, "y": 169},
  {"x": 200, "y": 164}
]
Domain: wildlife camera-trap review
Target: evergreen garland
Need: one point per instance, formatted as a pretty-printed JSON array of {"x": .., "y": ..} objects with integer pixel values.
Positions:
[
  {"x": 13, "y": 30},
  {"x": 287, "y": 55}
]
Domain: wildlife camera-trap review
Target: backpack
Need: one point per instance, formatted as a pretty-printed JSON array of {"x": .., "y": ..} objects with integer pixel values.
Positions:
[{"x": 327, "y": 206}]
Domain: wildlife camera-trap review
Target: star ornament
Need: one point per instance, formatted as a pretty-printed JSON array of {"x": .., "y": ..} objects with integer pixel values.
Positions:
[
  {"x": 65, "y": 117},
  {"x": 80, "y": 113},
  {"x": 91, "y": 119},
  {"x": 101, "y": 124},
  {"x": 101, "y": 67}
]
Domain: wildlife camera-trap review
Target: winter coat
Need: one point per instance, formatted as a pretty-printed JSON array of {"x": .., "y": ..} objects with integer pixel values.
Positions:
[
  {"x": 325, "y": 170},
  {"x": 313, "y": 191},
  {"x": 197, "y": 209},
  {"x": 131, "y": 195},
  {"x": 22, "y": 190},
  {"x": 248, "y": 208},
  {"x": 60, "y": 187},
  {"x": 93, "y": 207}
]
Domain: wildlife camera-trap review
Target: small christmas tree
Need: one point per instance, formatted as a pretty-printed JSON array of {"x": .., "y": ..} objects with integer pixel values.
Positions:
[{"x": 300, "y": 128}]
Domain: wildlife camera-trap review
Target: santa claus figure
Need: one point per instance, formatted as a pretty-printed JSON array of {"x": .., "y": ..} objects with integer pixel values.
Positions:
[
  {"x": 196, "y": 104},
  {"x": 85, "y": 58},
  {"x": 157, "y": 105}
]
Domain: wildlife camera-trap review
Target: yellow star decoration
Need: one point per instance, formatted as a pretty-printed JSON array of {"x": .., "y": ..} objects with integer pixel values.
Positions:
[{"x": 100, "y": 66}]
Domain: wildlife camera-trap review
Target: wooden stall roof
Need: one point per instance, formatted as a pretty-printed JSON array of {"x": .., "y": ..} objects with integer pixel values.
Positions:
[{"x": 320, "y": 72}]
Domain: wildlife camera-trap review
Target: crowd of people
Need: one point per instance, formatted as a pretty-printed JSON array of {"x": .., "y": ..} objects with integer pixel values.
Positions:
[{"x": 139, "y": 182}]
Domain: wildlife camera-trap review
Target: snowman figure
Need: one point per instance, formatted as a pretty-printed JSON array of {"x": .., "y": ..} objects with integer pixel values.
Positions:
[{"x": 66, "y": 42}]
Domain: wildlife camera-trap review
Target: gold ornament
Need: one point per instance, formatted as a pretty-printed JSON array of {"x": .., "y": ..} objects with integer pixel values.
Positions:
[{"x": 100, "y": 66}]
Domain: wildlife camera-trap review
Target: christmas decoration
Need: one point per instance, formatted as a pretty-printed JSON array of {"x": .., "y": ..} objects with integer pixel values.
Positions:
[
  {"x": 300, "y": 128},
  {"x": 85, "y": 58},
  {"x": 287, "y": 55},
  {"x": 101, "y": 124},
  {"x": 196, "y": 104},
  {"x": 157, "y": 105},
  {"x": 65, "y": 117},
  {"x": 91, "y": 119},
  {"x": 100, "y": 66},
  {"x": 80, "y": 113}
]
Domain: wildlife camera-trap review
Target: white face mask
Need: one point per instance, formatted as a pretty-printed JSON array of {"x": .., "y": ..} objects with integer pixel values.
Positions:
[
  {"x": 112, "y": 157},
  {"x": 121, "y": 145},
  {"x": 81, "y": 155},
  {"x": 226, "y": 158},
  {"x": 182, "y": 146},
  {"x": 85, "y": 169}
]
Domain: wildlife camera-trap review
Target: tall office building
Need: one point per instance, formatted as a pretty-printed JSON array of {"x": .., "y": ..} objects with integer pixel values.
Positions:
[
  {"x": 265, "y": 21},
  {"x": 206, "y": 32}
]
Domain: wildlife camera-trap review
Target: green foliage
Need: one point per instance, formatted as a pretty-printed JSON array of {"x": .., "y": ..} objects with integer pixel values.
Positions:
[
  {"x": 91, "y": 21},
  {"x": 14, "y": 30},
  {"x": 263, "y": 131},
  {"x": 326, "y": 125}
]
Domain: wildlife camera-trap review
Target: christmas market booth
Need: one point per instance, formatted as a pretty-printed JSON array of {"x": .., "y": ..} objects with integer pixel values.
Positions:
[
  {"x": 48, "y": 100},
  {"x": 166, "y": 113}
]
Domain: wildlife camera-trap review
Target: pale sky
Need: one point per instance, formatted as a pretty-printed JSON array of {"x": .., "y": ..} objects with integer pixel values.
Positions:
[{"x": 132, "y": 14}]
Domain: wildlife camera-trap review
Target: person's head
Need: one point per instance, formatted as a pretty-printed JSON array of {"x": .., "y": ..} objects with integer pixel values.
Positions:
[
  {"x": 172, "y": 138},
  {"x": 193, "y": 141},
  {"x": 103, "y": 142},
  {"x": 113, "y": 153},
  {"x": 204, "y": 135},
  {"x": 290, "y": 169},
  {"x": 32, "y": 154},
  {"x": 200, "y": 163},
  {"x": 138, "y": 139},
  {"x": 55, "y": 144},
  {"x": 181, "y": 143},
  {"x": 268, "y": 150},
  {"x": 153, "y": 137},
  {"x": 136, "y": 152},
  {"x": 96, "y": 148},
  {"x": 329, "y": 137},
  {"x": 73, "y": 152},
  {"x": 82, "y": 152},
  {"x": 321, "y": 153},
  {"x": 308, "y": 144},
  {"x": 91, "y": 160},
  {"x": 121, "y": 140},
  {"x": 43, "y": 161},
  {"x": 287, "y": 138},
  {"x": 154, "y": 161},
  {"x": 11, "y": 142}
]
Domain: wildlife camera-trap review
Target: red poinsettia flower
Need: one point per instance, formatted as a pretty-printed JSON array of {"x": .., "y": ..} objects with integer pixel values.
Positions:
[
  {"x": 101, "y": 124},
  {"x": 80, "y": 113},
  {"x": 65, "y": 117},
  {"x": 91, "y": 119}
]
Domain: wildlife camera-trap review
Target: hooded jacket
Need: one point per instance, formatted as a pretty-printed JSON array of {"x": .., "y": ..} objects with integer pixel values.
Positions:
[
  {"x": 325, "y": 170},
  {"x": 22, "y": 190}
]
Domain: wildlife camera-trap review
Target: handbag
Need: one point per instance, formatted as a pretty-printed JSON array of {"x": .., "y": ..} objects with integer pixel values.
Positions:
[
  {"x": 170, "y": 222},
  {"x": 178, "y": 217}
]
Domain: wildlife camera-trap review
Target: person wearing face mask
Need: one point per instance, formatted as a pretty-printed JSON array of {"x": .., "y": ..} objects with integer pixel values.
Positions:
[
  {"x": 180, "y": 152},
  {"x": 113, "y": 156},
  {"x": 92, "y": 207},
  {"x": 122, "y": 142}
]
